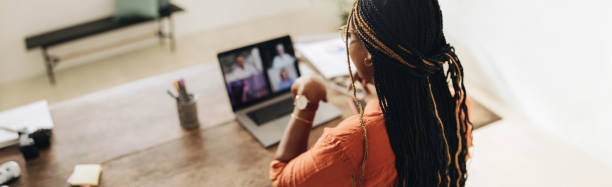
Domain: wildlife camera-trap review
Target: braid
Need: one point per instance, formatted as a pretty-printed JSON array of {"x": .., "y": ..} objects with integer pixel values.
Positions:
[{"x": 426, "y": 123}]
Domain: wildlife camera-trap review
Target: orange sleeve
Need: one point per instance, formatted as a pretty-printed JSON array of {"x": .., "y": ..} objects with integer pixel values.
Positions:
[
  {"x": 468, "y": 134},
  {"x": 321, "y": 165}
]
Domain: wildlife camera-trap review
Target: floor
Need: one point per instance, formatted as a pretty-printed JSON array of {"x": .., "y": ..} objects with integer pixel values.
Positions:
[
  {"x": 153, "y": 59},
  {"x": 506, "y": 153}
]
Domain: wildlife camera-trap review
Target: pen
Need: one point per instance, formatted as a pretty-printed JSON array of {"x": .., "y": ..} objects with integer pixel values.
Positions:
[
  {"x": 183, "y": 90},
  {"x": 172, "y": 95}
]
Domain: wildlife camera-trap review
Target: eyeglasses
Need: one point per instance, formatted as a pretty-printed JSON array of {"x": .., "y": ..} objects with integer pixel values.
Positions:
[{"x": 343, "y": 33}]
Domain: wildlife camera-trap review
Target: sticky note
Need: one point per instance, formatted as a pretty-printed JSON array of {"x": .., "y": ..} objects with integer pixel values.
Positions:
[{"x": 85, "y": 174}]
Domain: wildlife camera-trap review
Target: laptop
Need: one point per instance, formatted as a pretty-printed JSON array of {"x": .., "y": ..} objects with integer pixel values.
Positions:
[{"x": 258, "y": 80}]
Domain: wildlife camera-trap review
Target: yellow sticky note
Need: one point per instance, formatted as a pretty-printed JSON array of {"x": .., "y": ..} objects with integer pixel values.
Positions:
[{"x": 85, "y": 174}]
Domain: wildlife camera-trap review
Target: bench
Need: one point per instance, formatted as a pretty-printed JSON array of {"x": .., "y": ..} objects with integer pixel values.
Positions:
[{"x": 60, "y": 36}]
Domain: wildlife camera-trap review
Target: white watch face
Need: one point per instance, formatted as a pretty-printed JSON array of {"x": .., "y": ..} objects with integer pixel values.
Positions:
[{"x": 301, "y": 102}]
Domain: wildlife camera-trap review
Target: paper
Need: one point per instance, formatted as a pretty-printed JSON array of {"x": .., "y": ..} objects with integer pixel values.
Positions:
[
  {"x": 305, "y": 70},
  {"x": 31, "y": 117},
  {"x": 8, "y": 138},
  {"x": 327, "y": 56},
  {"x": 85, "y": 174}
]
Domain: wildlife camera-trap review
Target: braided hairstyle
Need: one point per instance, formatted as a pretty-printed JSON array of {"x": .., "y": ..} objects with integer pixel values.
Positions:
[{"x": 419, "y": 81}]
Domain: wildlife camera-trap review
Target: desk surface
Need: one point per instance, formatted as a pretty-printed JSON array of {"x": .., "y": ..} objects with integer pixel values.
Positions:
[{"x": 135, "y": 136}]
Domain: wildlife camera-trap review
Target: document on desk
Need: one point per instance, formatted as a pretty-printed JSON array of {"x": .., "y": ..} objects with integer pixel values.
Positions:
[
  {"x": 327, "y": 56},
  {"x": 31, "y": 117}
]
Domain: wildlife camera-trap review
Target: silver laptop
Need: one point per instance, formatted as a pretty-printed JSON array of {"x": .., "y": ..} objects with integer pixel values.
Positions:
[{"x": 258, "y": 79}]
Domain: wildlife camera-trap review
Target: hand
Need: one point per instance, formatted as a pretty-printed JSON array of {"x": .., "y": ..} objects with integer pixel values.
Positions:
[
  {"x": 363, "y": 82},
  {"x": 312, "y": 87}
]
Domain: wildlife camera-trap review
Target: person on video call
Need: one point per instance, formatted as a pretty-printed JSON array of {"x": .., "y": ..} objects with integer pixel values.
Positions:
[
  {"x": 241, "y": 69},
  {"x": 286, "y": 80},
  {"x": 237, "y": 92},
  {"x": 282, "y": 58}
]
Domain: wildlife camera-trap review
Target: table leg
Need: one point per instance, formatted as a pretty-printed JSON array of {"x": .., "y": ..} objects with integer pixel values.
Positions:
[
  {"x": 160, "y": 30},
  {"x": 171, "y": 34},
  {"x": 49, "y": 63}
]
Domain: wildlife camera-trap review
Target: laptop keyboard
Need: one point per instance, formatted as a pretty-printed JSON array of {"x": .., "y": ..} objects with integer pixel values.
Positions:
[{"x": 271, "y": 112}]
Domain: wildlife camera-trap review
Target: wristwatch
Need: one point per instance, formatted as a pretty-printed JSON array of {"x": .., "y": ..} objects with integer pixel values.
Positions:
[{"x": 301, "y": 102}]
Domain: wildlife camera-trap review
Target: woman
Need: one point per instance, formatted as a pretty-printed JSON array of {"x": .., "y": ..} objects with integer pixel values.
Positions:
[
  {"x": 285, "y": 80},
  {"x": 416, "y": 134}
]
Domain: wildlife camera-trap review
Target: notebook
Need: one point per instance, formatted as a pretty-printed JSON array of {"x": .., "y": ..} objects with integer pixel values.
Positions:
[
  {"x": 32, "y": 117},
  {"x": 327, "y": 56}
]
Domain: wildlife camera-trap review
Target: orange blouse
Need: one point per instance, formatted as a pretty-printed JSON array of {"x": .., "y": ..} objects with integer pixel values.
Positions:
[{"x": 337, "y": 156}]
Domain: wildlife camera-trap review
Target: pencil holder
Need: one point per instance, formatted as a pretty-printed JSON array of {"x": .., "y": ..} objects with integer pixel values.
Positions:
[{"x": 188, "y": 114}]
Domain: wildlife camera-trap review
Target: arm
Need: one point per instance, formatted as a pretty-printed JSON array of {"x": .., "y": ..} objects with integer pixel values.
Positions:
[{"x": 295, "y": 138}]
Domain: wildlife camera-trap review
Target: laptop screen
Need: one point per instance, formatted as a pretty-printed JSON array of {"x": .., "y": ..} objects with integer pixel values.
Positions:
[{"x": 258, "y": 72}]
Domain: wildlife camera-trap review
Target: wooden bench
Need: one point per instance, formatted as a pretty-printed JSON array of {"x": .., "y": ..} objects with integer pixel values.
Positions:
[{"x": 60, "y": 36}]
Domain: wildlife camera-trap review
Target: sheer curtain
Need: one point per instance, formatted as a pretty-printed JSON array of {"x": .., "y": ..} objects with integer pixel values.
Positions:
[{"x": 550, "y": 60}]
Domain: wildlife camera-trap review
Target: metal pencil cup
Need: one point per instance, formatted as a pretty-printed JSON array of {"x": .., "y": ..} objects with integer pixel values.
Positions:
[{"x": 188, "y": 114}]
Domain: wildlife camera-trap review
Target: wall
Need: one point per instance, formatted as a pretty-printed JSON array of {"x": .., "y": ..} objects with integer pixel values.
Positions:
[
  {"x": 549, "y": 59},
  {"x": 19, "y": 19}
]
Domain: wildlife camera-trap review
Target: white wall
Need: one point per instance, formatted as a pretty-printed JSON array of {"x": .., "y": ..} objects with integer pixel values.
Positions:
[
  {"x": 549, "y": 59},
  {"x": 19, "y": 19}
]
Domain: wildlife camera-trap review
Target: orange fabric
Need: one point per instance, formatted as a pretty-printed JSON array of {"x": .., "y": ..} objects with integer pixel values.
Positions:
[{"x": 338, "y": 153}]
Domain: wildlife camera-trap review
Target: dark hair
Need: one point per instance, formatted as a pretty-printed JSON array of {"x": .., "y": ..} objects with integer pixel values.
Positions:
[
  {"x": 238, "y": 56},
  {"x": 414, "y": 71}
]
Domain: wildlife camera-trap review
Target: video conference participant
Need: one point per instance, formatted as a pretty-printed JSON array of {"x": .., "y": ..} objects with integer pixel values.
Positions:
[
  {"x": 282, "y": 58},
  {"x": 241, "y": 69},
  {"x": 239, "y": 91},
  {"x": 286, "y": 80},
  {"x": 245, "y": 78}
]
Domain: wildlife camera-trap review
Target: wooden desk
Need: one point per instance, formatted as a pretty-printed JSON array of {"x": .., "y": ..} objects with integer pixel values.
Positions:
[
  {"x": 133, "y": 131},
  {"x": 226, "y": 155},
  {"x": 136, "y": 137}
]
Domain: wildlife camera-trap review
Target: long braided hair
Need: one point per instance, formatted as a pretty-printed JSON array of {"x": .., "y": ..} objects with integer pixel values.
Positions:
[{"x": 419, "y": 81}]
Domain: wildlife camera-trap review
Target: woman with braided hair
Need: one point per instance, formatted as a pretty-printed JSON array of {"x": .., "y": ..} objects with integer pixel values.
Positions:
[{"x": 416, "y": 134}]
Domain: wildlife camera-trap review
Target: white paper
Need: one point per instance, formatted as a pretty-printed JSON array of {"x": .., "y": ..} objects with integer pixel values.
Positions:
[
  {"x": 8, "y": 138},
  {"x": 327, "y": 56},
  {"x": 31, "y": 117},
  {"x": 305, "y": 69}
]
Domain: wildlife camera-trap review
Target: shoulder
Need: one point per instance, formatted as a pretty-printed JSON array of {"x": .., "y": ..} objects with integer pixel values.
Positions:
[
  {"x": 348, "y": 135},
  {"x": 351, "y": 126}
]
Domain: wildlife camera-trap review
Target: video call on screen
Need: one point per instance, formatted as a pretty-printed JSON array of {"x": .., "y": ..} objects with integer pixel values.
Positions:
[{"x": 258, "y": 71}]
